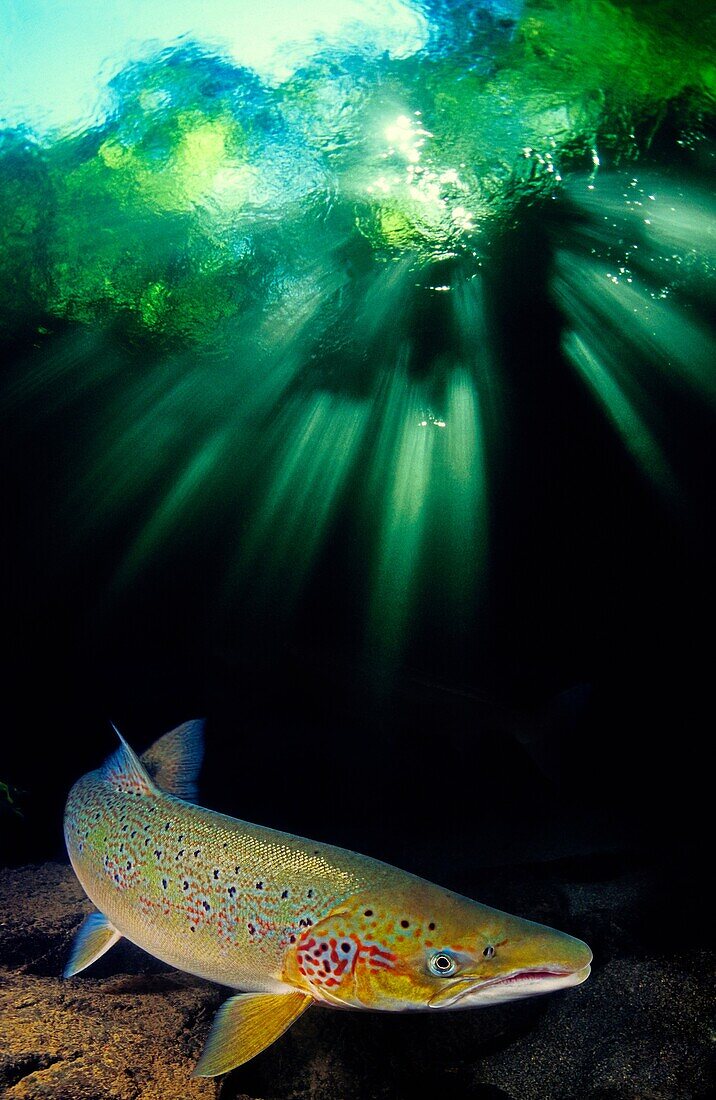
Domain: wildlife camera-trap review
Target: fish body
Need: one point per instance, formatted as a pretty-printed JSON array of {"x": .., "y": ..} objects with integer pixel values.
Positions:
[{"x": 289, "y": 921}]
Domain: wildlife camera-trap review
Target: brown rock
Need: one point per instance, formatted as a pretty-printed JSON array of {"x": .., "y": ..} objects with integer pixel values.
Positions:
[{"x": 104, "y": 1035}]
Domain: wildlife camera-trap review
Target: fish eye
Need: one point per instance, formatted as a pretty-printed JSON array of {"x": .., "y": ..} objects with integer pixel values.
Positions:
[
  {"x": 489, "y": 952},
  {"x": 441, "y": 964}
]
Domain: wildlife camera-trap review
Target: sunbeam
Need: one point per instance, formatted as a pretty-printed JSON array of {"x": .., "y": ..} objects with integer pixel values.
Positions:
[
  {"x": 253, "y": 293},
  {"x": 309, "y": 452}
]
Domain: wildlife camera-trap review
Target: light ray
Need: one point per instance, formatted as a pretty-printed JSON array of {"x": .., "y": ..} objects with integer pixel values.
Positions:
[
  {"x": 312, "y": 447},
  {"x": 461, "y": 497},
  {"x": 179, "y": 504},
  {"x": 622, "y": 411},
  {"x": 399, "y": 490}
]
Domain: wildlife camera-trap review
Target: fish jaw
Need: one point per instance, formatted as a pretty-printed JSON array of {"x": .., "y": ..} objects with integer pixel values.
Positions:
[
  {"x": 476, "y": 993},
  {"x": 551, "y": 961}
]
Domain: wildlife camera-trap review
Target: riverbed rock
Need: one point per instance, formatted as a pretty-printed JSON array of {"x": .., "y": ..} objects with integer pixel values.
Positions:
[{"x": 131, "y": 1028}]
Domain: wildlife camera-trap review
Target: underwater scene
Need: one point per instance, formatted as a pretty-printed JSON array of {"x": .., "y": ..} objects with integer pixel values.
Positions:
[{"x": 357, "y": 421}]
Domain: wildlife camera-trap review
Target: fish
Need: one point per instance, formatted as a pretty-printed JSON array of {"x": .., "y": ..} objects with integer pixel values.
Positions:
[{"x": 284, "y": 922}]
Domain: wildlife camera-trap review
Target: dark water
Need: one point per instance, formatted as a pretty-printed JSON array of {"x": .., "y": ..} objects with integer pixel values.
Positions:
[{"x": 368, "y": 412}]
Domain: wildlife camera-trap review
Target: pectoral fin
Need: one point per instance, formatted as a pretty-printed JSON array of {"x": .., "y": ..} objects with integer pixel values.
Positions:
[
  {"x": 245, "y": 1025},
  {"x": 95, "y": 936}
]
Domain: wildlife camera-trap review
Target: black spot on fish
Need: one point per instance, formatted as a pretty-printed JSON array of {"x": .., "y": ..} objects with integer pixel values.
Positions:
[
  {"x": 404, "y": 924},
  {"x": 284, "y": 894},
  {"x": 196, "y": 852},
  {"x": 431, "y": 926},
  {"x": 237, "y": 870},
  {"x": 232, "y": 891},
  {"x": 291, "y": 939},
  {"x": 158, "y": 853},
  {"x": 185, "y": 885},
  {"x": 345, "y": 947},
  {"x": 309, "y": 894},
  {"x": 129, "y": 865},
  {"x": 206, "y": 905},
  {"x": 252, "y": 930},
  {"x": 168, "y": 825},
  {"x": 116, "y": 878},
  {"x": 259, "y": 885},
  {"x": 216, "y": 872},
  {"x": 179, "y": 854},
  {"x": 180, "y": 837},
  {"x": 121, "y": 847},
  {"x": 133, "y": 833},
  {"x": 164, "y": 883}
]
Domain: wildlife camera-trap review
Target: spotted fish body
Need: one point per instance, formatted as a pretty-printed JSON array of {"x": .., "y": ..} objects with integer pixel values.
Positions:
[
  {"x": 211, "y": 895},
  {"x": 288, "y": 920}
]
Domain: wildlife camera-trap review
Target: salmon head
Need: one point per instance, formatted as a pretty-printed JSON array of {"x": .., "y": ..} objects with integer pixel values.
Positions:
[{"x": 421, "y": 947}]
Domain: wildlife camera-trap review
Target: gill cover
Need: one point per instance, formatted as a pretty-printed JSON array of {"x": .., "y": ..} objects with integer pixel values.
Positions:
[{"x": 341, "y": 959}]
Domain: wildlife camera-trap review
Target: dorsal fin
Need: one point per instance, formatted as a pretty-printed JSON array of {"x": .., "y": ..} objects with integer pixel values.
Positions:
[
  {"x": 125, "y": 771},
  {"x": 174, "y": 760}
]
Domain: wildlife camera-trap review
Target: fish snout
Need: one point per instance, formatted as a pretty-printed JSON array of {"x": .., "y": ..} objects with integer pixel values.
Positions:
[{"x": 574, "y": 955}]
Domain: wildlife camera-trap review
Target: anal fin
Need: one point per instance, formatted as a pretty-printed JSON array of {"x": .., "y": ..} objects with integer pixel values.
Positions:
[
  {"x": 94, "y": 937},
  {"x": 245, "y": 1025}
]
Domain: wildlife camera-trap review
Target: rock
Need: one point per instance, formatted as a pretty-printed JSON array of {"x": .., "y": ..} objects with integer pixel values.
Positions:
[{"x": 132, "y": 1028}]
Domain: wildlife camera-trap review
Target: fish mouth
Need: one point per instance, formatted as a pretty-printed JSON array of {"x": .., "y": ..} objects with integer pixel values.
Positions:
[{"x": 518, "y": 983}]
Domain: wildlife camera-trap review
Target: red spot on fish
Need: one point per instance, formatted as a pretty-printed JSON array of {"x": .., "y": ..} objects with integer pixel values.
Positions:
[{"x": 373, "y": 951}]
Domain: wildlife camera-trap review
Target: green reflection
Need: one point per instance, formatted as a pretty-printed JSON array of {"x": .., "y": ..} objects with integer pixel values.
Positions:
[{"x": 237, "y": 272}]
